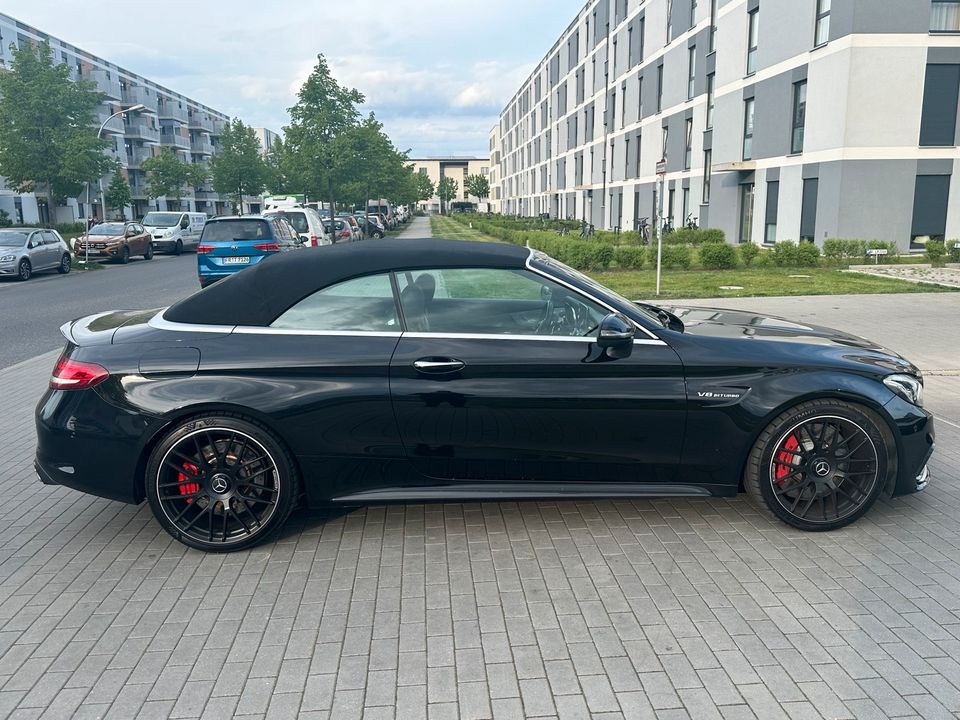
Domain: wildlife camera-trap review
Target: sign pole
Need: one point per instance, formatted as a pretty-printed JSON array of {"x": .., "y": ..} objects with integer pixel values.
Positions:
[{"x": 661, "y": 174}]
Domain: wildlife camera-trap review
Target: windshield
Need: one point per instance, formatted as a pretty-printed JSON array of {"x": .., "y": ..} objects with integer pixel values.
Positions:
[
  {"x": 161, "y": 219},
  {"x": 297, "y": 219},
  {"x": 107, "y": 229},
  {"x": 225, "y": 230},
  {"x": 9, "y": 238},
  {"x": 602, "y": 290}
]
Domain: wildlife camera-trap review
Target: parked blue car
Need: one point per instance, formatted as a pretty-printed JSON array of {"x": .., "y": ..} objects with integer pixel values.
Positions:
[{"x": 230, "y": 244}]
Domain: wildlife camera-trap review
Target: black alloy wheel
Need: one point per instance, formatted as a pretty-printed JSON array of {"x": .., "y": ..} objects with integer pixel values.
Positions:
[
  {"x": 178, "y": 248},
  {"x": 148, "y": 255},
  {"x": 24, "y": 270},
  {"x": 821, "y": 465},
  {"x": 65, "y": 264},
  {"x": 221, "y": 483}
]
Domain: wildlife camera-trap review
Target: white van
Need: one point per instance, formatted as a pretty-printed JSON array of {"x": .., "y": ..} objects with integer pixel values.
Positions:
[{"x": 174, "y": 231}]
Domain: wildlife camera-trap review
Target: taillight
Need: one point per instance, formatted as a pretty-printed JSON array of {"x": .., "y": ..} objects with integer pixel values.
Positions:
[
  {"x": 204, "y": 249},
  {"x": 344, "y": 233},
  {"x": 268, "y": 247},
  {"x": 313, "y": 241},
  {"x": 76, "y": 375}
]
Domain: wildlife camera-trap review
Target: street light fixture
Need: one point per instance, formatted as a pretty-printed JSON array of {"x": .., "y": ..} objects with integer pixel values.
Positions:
[{"x": 103, "y": 203}]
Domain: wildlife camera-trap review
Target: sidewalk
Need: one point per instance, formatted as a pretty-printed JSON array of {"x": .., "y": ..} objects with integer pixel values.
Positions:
[{"x": 419, "y": 227}]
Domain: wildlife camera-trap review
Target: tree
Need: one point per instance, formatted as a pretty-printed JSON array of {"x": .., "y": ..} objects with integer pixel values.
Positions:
[
  {"x": 168, "y": 175},
  {"x": 117, "y": 195},
  {"x": 423, "y": 187},
  {"x": 275, "y": 165},
  {"x": 477, "y": 185},
  {"x": 325, "y": 110},
  {"x": 446, "y": 191},
  {"x": 238, "y": 169},
  {"x": 48, "y": 136}
]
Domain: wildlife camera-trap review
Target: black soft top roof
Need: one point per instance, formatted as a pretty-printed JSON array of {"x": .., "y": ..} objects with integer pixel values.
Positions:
[{"x": 258, "y": 295}]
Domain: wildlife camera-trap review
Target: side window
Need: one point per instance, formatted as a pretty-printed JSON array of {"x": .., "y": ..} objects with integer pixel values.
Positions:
[
  {"x": 364, "y": 304},
  {"x": 50, "y": 238},
  {"x": 36, "y": 239},
  {"x": 490, "y": 301}
]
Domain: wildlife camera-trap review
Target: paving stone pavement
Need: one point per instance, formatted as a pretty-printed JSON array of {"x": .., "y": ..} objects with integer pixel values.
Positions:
[{"x": 616, "y": 609}]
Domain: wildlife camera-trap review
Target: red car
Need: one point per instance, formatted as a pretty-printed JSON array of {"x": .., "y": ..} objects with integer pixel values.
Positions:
[{"x": 116, "y": 241}]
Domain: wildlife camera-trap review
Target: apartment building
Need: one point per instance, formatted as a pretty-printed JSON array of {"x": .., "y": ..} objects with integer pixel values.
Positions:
[
  {"x": 458, "y": 168},
  {"x": 774, "y": 119},
  {"x": 266, "y": 138},
  {"x": 187, "y": 127}
]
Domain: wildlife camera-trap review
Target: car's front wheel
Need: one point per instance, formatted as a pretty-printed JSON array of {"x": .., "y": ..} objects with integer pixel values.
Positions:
[
  {"x": 221, "y": 483},
  {"x": 178, "y": 248},
  {"x": 24, "y": 270},
  {"x": 125, "y": 255},
  {"x": 148, "y": 255},
  {"x": 821, "y": 464},
  {"x": 64, "y": 266}
]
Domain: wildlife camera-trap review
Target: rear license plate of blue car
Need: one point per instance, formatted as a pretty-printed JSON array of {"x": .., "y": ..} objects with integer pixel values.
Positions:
[{"x": 236, "y": 261}]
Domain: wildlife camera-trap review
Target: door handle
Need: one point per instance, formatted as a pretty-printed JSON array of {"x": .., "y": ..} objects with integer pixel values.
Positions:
[{"x": 438, "y": 365}]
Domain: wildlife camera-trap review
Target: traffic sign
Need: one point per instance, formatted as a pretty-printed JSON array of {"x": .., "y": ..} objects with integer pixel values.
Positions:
[{"x": 662, "y": 167}]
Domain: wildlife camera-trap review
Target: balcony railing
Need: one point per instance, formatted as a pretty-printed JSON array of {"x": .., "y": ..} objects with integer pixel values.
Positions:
[
  {"x": 110, "y": 86},
  {"x": 200, "y": 121},
  {"x": 137, "y": 95},
  {"x": 142, "y": 132},
  {"x": 136, "y": 158},
  {"x": 171, "y": 111},
  {"x": 174, "y": 139},
  {"x": 113, "y": 125},
  {"x": 218, "y": 126},
  {"x": 201, "y": 147}
]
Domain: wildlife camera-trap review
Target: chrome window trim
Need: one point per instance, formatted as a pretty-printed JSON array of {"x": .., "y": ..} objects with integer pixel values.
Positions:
[
  {"x": 577, "y": 290},
  {"x": 159, "y": 322},
  {"x": 257, "y": 330},
  {"x": 508, "y": 336}
]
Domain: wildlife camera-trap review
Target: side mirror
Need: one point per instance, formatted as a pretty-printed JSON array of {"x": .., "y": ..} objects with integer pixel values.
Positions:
[
  {"x": 616, "y": 335},
  {"x": 184, "y": 225}
]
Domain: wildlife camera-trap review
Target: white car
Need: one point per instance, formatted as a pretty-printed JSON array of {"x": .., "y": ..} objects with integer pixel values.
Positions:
[
  {"x": 174, "y": 231},
  {"x": 306, "y": 221}
]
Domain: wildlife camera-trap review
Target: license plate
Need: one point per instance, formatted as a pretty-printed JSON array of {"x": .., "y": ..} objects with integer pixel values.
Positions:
[{"x": 236, "y": 261}]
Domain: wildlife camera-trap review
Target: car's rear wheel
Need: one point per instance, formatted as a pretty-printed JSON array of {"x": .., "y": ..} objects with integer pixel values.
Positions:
[
  {"x": 124, "y": 255},
  {"x": 24, "y": 270},
  {"x": 821, "y": 465},
  {"x": 64, "y": 266},
  {"x": 221, "y": 483},
  {"x": 148, "y": 255}
]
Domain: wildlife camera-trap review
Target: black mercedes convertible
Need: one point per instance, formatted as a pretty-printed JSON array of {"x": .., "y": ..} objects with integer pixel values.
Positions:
[{"x": 435, "y": 370}]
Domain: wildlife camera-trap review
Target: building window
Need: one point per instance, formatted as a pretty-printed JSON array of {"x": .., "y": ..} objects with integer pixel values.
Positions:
[
  {"x": 642, "y": 29},
  {"x": 691, "y": 71},
  {"x": 707, "y": 175},
  {"x": 623, "y": 105},
  {"x": 686, "y": 205},
  {"x": 693, "y": 13},
  {"x": 713, "y": 26},
  {"x": 938, "y": 119},
  {"x": 664, "y": 139},
  {"x": 808, "y": 210},
  {"x": 630, "y": 47},
  {"x": 930, "y": 202},
  {"x": 669, "y": 20},
  {"x": 823, "y": 23},
  {"x": 423, "y": 171},
  {"x": 753, "y": 28},
  {"x": 626, "y": 158},
  {"x": 639, "y": 145},
  {"x": 799, "y": 116},
  {"x": 772, "y": 209},
  {"x": 614, "y": 57},
  {"x": 945, "y": 16},
  {"x": 748, "y": 107},
  {"x": 711, "y": 78},
  {"x": 660, "y": 87},
  {"x": 639, "y": 98},
  {"x": 688, "y": 155},
  {"x": 746, "y": 213},
  {"x": 671, "y": 196}
]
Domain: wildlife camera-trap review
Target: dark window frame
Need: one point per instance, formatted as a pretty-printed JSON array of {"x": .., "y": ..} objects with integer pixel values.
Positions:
[{"x": 798, "y": 117}]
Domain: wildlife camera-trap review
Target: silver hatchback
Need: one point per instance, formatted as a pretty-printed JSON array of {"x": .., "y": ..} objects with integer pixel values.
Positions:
[{"x": 24, "y": 251}]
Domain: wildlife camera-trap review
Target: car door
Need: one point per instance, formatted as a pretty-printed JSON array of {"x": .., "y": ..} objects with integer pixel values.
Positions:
[
  {"x": 498, "y": 377},
  {"x": 37, "y": 251},
  {"x": 51, "y": 248}
]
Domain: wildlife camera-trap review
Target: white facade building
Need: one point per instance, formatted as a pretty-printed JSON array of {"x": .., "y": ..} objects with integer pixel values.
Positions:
[{"x": 458, "y": 168}]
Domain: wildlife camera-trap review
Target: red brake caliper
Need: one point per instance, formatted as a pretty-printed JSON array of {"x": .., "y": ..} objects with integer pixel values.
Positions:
[
  {"x": 786, "y": 460},
  {"x": 187, "y": 485}
]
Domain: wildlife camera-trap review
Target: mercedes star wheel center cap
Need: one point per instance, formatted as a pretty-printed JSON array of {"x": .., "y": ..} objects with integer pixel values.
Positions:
[
  {"x": 821, "y": 468},
  {"x": 219, "y": 483}
]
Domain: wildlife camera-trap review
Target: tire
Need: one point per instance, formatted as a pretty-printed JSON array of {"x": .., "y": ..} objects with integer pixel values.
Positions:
[
  {"x": 821, "y": 465},
  {"x": 124, "y": 255},
  {"x": 148, "y": 255},
  {"x": 178, "y": 248},
  {"x": 65, "y": 264},
  {"x": 24, "y": 270},
  {"x": 221, "y": 482}
]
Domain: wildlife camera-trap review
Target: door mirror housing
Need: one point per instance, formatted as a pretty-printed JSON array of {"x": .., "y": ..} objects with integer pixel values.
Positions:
[
  {"x": 184, "y": 224},
  {"x": 616, "y": 335}
]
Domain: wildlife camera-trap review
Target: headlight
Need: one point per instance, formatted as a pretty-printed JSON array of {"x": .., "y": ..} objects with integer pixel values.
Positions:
[
  {"x": 8, "y": 258},
  {"x": 908, "y": 387}
]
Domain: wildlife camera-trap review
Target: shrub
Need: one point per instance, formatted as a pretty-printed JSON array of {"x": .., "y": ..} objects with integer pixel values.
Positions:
[
  {"x": 674, "y": 256},
  {"x": 785, "y": 254},
  {"x": 764, "y": 259},
  {"x": 834, "y": 250},
  {"x": 629, "y": 257},
  {"x": 711, "y": 235},
  {"x": 953, "y": 247},
  {"x": 5, "y": 220},
  {"x": 749, "y": 252},
  {"x": 808, "y": 255},
  {"x": 935, "y": 252},
  {"x": 717, "y": 256},
  {"x": 681, "y": 236},
  {"x": 893, "y": 251}
]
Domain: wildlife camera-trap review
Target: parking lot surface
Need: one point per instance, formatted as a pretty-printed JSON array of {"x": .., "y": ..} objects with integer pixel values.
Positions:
[{"x": 670, "y": 608}]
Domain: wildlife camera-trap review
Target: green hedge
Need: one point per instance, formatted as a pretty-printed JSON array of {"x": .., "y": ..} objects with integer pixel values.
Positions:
[
  {"x": 936, "y": 253},
  {"x": 718, "y": 256},
  {"x": 953, "y": 249},
  {"x": 787, "y": 253},
  {"x": 673, "y": 256},
  {"x": 628, "y": 257},
  {"x": 748, "y": 253}
]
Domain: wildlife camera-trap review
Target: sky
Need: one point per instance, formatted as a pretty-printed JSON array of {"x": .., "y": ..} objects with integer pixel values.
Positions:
[{"x": 437, "y": 73}]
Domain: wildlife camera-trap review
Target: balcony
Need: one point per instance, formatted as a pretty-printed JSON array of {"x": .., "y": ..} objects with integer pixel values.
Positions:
[
  {"x": 218, "y": 126},
  {"x": 109, "y": 86},
  {"x": 200, "y": 121},
  {"x": 136, "y": 158},
  {"x": 137, "y": 95},
  {"x": 174, "y": 139},
  {"x": 206, "y": 195},
  {"x": 142, "y": 132},
  {"x": 113, "y": 125},
  {"x": 201, "y": 147},
  {"x": 171, "y": 111}
]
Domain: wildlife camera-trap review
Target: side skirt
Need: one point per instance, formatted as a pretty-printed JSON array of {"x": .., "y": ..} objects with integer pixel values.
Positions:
[{"x": 496, "y": 492}]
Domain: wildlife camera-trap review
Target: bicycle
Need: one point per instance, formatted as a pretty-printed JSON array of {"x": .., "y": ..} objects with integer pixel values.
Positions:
[
  {"x": 691, "y": 222},
  {"x": 667, "y": 226},
  {"x": 586, "y": 230},
  {"x": 643, "y": 227},
  {"x": 563, "y": 231}
]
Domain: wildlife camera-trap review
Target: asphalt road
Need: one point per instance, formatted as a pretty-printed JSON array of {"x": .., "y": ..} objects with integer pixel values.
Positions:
[{"x": 32, "y": 312}]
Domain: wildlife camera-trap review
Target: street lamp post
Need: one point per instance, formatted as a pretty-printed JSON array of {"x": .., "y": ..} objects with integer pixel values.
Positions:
[{"x": 134, "y": 108}]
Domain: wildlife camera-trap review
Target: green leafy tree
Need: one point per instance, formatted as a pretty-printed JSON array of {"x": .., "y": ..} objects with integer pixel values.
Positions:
[
  {"x": 238, "y": 168},
  {"x": 117, "y": 194},
  {"x": 477, "y": 185},
  {"x": 276, "y": 167},
  {"x": 168, "y": 175},
  {"x": 48, "y": 132},
  {"x": 446, "y": 191},
  {"x": 423, "y": 186},
  {"x": 324, "y": 111}
]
